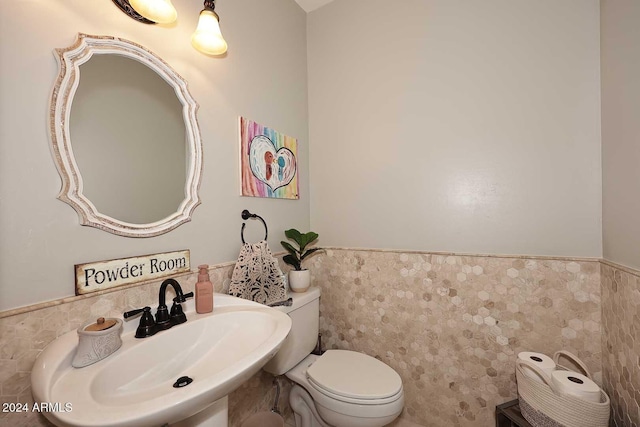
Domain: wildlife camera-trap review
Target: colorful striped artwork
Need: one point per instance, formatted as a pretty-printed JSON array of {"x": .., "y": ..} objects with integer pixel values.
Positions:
[{"x": 268, "y": 162}]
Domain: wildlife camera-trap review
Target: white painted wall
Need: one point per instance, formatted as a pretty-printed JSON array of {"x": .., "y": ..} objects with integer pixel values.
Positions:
[
  {"x": 620, "y": 39},
  {"x": 263, "y": 77},
  {"x": 309, "y": 5},
  {"x": 452, "y": 125},
  {"x": 436, "y": 125}
]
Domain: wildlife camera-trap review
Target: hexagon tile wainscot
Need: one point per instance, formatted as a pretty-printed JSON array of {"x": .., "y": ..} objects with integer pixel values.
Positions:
[
  {"x": 452, "y": 325},
  {"x": 621, "y": 342}
]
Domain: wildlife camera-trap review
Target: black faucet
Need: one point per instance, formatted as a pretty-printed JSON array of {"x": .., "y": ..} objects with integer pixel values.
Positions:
[{"x": 164, "y": 318}]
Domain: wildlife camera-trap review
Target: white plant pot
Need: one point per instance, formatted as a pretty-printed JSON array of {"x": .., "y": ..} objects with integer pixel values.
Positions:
[{"x": 299, "y": 281}]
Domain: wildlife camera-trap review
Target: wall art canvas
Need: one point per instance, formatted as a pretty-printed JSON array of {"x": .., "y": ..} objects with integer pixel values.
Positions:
[{"x": 268, "y": 162}]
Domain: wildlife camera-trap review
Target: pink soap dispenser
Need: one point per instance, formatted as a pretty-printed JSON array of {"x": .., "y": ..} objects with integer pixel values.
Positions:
[{"x": 204, "y": 291}]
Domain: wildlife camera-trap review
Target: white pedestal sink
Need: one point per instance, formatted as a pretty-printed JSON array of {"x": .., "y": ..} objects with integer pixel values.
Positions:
[{"x": 134, "y": 386}]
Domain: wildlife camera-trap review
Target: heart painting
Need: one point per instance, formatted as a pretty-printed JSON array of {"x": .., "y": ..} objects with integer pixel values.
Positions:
[
  {"x": 276, "y": 168},
  {"x": 268, "y": 162}
]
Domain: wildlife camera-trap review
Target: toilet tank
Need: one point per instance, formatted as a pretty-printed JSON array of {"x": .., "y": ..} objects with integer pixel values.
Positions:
[{"x": 305, "y": 317}]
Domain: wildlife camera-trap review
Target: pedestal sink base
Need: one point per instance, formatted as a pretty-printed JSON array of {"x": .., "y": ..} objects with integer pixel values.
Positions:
[{"x": 215, "y": 415}]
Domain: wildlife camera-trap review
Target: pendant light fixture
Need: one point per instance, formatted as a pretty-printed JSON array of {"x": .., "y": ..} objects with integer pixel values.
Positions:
[
  {"x": 160, "y": 11},
  {"x": 208, "y": 38}
]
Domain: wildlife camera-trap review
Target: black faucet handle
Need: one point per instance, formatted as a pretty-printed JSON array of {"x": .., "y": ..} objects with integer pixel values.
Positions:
[
  {"x": 147, "y": 326},
  {"x": 183, "y": 297},
  {"x": 132, "y": 313}
]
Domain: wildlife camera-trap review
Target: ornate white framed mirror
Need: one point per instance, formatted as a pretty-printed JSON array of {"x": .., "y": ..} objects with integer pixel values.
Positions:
[{"x": 125, "y": 138}]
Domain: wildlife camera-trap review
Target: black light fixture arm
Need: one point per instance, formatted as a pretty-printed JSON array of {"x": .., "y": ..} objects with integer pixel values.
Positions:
[
  {"x": 124, "y": 6},
  {"x": 210, "y": 5}
]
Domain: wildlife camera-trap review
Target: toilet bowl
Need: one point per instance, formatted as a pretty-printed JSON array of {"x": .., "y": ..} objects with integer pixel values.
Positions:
[
  {"x": 339, "y": 388},
  {"x": 345, "y": 389}
]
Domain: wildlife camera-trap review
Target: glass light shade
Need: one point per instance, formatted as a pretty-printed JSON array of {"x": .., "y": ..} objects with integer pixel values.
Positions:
[
  {"x": 208, "y": 38},
  {"x": 160, "y": 11}
]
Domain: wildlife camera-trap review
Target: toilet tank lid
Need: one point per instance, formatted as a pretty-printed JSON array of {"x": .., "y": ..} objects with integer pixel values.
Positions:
[
  {"x": 300, "y": 299},
  {"x": 354, "y": 375}
]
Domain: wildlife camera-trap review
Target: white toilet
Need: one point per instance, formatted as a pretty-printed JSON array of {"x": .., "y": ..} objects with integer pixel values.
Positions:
[{"x": 341, "y": 388}]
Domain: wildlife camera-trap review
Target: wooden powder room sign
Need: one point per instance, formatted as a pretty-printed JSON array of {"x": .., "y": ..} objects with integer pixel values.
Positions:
[{"x": 100, "y": 275}]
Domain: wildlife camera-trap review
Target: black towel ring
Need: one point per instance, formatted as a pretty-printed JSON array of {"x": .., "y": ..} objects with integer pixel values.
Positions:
[{"x": 246, "y": 215}]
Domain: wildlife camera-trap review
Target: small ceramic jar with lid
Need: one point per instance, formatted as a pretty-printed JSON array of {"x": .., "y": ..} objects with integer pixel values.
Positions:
[{"x": 97, "y": 340}]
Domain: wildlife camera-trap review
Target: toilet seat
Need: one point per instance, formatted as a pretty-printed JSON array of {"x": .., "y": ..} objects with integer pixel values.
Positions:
[
  {"x": 354, "y": 377},
  {"x": 344, "y": 399}
]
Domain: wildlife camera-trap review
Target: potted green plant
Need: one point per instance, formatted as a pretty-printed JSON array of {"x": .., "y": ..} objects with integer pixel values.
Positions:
[{"x": 299, "y": 278}]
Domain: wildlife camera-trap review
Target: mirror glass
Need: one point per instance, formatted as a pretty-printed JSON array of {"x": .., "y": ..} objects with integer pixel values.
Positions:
[
  {"x": 125, "y": 138},
  {"x": 128, "y": 139}
]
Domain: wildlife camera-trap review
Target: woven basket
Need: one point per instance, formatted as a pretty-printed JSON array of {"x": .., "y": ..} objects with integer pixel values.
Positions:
[{"x": 543, "y": 406}]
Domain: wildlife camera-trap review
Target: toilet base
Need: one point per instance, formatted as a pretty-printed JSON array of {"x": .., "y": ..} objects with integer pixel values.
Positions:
[
  {"x": 304, "y": 408},
  {"x": 309, "y": 413}
]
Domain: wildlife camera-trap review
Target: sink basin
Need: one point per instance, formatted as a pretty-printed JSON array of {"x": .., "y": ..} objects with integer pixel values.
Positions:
[{"x": 134, "y": 386}]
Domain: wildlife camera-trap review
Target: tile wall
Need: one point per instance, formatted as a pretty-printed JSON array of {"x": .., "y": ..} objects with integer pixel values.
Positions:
[
  {"x": 451, "y": 326},
  {"x": 621, "y": 342}
]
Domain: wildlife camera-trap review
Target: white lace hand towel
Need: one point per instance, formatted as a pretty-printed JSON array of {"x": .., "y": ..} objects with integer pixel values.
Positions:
[{"x": 257, "y": 275}]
